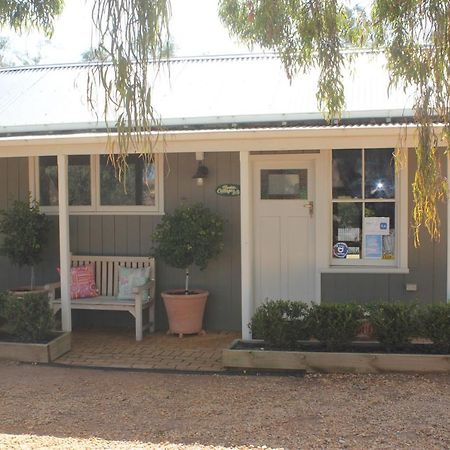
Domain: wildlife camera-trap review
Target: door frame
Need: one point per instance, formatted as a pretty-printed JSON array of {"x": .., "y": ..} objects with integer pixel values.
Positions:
[{"x": 322, "y": 218}]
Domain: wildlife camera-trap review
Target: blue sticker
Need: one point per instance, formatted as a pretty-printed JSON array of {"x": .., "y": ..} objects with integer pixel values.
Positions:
[
  {"x": 374, "y": 246},
  {"x": 383, "y": 226},
  {"x": 340, "y": 250}
]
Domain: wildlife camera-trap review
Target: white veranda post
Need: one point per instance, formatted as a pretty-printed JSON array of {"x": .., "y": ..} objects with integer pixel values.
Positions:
[
  {"x": 246, "y": 250},
  {"x": 64, "y": 241}
]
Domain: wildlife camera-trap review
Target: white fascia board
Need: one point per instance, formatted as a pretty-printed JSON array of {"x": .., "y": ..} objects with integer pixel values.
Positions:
[
  {"x": 208, "y": 120},
  {"x": 257, "y": 139}
]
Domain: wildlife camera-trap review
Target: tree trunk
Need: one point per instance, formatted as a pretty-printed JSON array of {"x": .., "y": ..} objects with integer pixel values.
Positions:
[
  {"x": 186, "y": 284},
  {"x": 32, "y": 278}
]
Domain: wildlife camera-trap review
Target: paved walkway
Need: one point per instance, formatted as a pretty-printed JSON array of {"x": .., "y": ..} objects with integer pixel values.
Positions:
[{"x": 118, "y": 349}]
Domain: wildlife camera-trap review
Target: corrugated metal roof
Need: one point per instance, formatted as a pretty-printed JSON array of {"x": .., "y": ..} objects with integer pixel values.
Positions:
[{"x": 200, "y": 91}]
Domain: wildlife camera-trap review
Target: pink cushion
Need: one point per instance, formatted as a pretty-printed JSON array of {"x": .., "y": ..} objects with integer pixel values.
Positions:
[{"x": 82, "y": 282}]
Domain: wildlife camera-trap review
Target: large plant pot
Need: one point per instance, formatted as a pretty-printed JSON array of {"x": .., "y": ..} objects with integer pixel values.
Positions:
[{"x": 185, "y": 311}]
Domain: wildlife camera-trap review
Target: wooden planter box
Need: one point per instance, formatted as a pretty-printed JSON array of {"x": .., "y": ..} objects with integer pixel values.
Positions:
[
  {"x": 311, "y": 361},
  {"x": 39, "y": 353}
]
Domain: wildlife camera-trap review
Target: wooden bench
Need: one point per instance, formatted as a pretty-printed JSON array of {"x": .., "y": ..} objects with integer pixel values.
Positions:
[{"x": 107, "y": 281}]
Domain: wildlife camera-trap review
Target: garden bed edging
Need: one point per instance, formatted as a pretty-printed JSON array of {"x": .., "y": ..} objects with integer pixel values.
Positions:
[
  {"x": 331, "y": 362},
  {"x": 38, "y": 353}
]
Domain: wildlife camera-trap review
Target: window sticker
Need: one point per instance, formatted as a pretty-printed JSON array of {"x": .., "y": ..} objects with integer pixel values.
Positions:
[
  {"x": 376, "y": 225},
  {"x": 340, "y": 250},
  {"x": 348, "y": 234},
  {"x": 374, "y": 246}
]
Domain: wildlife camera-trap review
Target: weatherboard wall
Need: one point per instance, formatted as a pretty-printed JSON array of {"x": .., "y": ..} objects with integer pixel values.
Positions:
[{"x": 131, "y": 235}]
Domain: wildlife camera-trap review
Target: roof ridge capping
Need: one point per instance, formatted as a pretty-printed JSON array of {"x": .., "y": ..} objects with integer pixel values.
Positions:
[{"x": 176, "y": 59}]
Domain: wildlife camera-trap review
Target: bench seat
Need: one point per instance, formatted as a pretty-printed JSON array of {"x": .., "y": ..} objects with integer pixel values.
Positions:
[{"x": 107, "y": 281}]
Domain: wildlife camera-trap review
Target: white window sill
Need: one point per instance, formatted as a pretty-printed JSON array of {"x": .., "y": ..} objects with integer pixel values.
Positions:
[{"x": 381, "y": 270}]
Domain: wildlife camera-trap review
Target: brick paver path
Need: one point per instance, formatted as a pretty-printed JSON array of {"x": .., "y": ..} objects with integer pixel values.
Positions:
[{"x": 118, "y": 348}]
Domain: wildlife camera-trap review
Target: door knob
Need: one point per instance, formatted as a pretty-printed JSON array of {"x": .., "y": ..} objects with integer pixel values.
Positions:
[{"x": 310, "y": 206}]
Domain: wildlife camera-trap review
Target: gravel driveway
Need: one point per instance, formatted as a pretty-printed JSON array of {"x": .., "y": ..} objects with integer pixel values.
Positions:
[{"x": 41, "y": 407}]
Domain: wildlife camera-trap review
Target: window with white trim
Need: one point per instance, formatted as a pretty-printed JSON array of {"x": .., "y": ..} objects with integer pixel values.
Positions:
[
  {"x": 364, "y": 207},
  {"x": 94, "y": 187}
]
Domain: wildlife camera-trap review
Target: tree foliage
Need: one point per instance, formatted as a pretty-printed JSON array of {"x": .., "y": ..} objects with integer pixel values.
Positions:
[
  {"x": 415, "y": 35},
  {"x": 190, "y": 235},
  {"x": 305, "y": 34},
  {"x": 26, "y": 232},
  {"x": 132, "y": 36},
  {"x": 21, "y": 15}
]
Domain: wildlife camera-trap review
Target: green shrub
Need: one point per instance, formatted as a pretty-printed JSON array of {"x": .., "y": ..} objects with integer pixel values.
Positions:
[
  {"x": 394, "y": 324},
  {"x": 435, "y": 321},
  {"x": 281, "y": 323},
  {"x": 29, "y": 317},
  {"x": 335, "y": 325}
]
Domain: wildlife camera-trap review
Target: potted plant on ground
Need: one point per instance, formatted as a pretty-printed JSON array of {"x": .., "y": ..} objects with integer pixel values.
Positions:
[
  {"x": 25, "y": 235},
  {"x": 190, "y": 235}
]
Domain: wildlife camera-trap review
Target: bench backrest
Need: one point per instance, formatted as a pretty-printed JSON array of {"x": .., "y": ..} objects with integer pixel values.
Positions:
[{"x": 107, "y": 269}]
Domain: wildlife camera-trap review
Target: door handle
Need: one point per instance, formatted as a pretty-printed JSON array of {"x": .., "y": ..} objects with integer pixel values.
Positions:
[{"x": 310, "y": 206}]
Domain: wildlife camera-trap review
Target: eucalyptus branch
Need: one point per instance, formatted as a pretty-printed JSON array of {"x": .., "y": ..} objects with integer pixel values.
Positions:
[{"x": 132, "y": 34}]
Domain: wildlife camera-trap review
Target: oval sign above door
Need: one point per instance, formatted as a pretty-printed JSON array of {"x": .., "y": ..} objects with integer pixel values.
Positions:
[{"x": 228, "y": 190}]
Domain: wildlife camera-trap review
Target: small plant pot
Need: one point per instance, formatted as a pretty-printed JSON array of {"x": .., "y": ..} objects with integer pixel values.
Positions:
[
  {"x": 366, "y": 331},
  {"x": 185, "y": 311}
]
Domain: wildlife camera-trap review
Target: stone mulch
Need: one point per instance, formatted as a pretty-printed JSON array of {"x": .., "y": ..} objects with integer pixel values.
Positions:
[
  {"x": 118, "y": 348},
  {"x": 70, "y": 408}
]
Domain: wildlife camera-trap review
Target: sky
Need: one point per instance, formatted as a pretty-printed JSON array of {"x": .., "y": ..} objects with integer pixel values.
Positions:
[{"x": 195, "y": 27}]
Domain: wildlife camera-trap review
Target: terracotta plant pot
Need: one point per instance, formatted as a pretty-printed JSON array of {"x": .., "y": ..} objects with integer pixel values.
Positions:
[{"x": 185, "y": 312}]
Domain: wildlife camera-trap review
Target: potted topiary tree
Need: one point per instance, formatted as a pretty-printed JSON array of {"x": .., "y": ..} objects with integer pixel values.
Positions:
[
  {"x": 25, "y": 235},
  {"x": 190, "y": 235}
]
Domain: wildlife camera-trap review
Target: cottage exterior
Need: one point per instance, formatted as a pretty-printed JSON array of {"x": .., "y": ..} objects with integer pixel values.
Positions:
[{"x": 323, "y": 215}]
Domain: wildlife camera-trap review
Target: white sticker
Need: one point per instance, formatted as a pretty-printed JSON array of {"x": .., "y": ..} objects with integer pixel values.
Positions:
[{"x": 376, "y": 226}]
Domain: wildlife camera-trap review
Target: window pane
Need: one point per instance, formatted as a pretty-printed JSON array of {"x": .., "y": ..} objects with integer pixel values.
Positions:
[
  {"x": 379, "y": 174},
  {"x": 347, "y": 174},
  {"x": 347, "y": 234},
  {"x": 48, "y": 181},
  {"x": 79, "y": 180},
  {"x": 284, "y": 184},
  {"x": 137, "y": 187},
  {"x": 381, "y": 243}
]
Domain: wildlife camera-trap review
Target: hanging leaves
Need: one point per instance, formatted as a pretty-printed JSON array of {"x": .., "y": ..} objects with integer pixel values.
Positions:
[
  {"x": 415, "y": 35},
  {"x": 133, "y": 35},
  {"x": 24, "y": 15},
  {"x": 305, "y": 34}
]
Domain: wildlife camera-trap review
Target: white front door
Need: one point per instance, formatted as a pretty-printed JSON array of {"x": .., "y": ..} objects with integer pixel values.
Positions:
[{"x": 283, "y": 220}]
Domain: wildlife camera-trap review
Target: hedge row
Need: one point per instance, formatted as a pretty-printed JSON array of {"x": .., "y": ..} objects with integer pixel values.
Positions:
[
  {"x": 282, "y": 323},
  {"x": 28, "y": 317}
]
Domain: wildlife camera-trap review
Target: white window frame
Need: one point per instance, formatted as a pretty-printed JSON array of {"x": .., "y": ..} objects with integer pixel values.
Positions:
[
  {"x": 96, "y": 208},
  {"x": 401, "y": 220}
]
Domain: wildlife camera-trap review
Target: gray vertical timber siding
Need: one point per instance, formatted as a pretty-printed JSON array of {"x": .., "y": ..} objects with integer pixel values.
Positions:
[
  {"x": 13, "y": 186},
  {"x": 130, "y": 235},
  {"x": 427, "y": 268}
]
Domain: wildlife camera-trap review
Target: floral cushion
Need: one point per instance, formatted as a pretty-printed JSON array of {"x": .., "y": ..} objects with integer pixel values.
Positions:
[
  {"x": 130, "y": 278},
  {"x": 82, "y": 282}
]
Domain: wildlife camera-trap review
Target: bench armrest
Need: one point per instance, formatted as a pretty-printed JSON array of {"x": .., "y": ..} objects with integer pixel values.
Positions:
[
  {"x": 51, "y": 289},
  {"x": 145, "y": 287}
]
